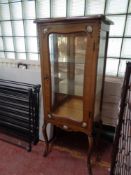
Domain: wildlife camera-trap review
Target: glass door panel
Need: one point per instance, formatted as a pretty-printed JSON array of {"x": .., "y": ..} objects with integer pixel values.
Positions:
[{"x": 67, "y": 57}]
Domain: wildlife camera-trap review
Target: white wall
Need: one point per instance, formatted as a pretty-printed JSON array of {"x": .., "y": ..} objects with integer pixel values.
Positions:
[
  {"x": 26, "y": 76},
  {"x": 34, "y": 76}
]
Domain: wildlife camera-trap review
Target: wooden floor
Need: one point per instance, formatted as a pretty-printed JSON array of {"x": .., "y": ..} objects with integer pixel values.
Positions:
[{"x": 72, "y": 109}]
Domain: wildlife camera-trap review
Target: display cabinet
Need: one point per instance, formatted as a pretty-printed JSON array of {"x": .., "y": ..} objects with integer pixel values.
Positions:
[{"x": 73, "y": 59}]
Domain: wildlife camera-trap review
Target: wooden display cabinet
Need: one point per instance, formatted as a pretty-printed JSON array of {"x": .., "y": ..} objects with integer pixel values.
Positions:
[{"x": 73, "y": 58}]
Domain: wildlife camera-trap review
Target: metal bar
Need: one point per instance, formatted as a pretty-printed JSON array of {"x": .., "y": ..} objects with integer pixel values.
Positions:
[
  {"x": 19, "y": 83},
  {"x": 30, "y": 112}
]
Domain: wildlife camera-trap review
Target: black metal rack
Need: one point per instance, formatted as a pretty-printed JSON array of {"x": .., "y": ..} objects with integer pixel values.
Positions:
[
  {"x": 19, "y": 110},
  {"x": 121, "y": 154}
]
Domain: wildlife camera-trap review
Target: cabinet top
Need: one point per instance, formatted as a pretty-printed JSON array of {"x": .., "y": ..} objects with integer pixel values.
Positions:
[{"x": 74, "y": 19}]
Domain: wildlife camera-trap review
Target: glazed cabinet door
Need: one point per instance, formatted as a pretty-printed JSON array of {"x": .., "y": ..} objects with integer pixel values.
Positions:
[
  {"x": 67, "y": 59},
  {"x": 67, "y": 56}
]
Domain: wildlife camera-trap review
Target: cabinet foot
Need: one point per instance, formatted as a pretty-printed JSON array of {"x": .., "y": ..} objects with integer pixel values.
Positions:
[{"x": 90, "y": 143}]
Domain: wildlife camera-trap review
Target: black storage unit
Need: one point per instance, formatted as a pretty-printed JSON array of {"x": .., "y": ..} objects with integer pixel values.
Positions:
[{"x": 19, "y": 111}]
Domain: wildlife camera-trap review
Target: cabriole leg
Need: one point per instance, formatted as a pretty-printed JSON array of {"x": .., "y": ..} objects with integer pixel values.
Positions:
[
  {"x": 90, "y": 143},
  {"x": 46, "y": 139}
]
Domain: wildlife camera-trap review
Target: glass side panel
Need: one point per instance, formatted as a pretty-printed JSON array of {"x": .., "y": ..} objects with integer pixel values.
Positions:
[
  {"x": 99, "y": 75},
  {"x": 67, "y": 57}
]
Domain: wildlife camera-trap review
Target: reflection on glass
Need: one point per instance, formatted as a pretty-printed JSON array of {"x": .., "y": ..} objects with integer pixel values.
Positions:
[{"x": 67, "y": 57}]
